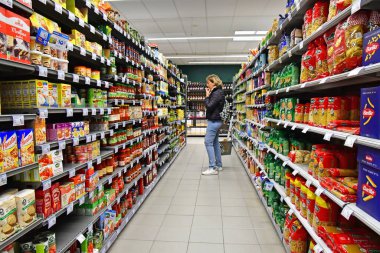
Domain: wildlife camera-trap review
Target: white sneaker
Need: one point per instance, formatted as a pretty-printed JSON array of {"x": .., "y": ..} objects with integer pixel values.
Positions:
[
  {"x": 219, "y": 168},
  {"x": 210, "y": 172}
]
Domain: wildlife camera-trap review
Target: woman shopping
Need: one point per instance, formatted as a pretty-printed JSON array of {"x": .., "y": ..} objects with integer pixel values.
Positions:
[{"x": 214, "y": 103}]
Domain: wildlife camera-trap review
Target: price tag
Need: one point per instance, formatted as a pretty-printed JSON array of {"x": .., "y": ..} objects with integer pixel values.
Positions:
[
  {"x": 61, "y": 74},
  {"x": 346, "y": 212},
  {"x": 110, "y": 180},
  {"x": 46, "y": 184},
  {"x": 83, "y": 51},
  {"x": 276, "y": 157},
  {"x": 287, "y": 89},
  {"x": 45, "y": 148},
  {"x": 102, "y": 134},
  {"x": 105, "y": 37},
  {"x": 123, "y": 145},
  {"x": 18, "y": 120},
  {"x": 43, "y": 1},
  {"x": 61, "y": 145},
  {"x": 276, "y": 92},
  {"x": 124, "y": 123},
  {"x": 295, "y": 172},
  {"x": 91, "y": 195},
  {"x": 85, "y": 111},
  {"x": 111, "y": 132},
  {"x": 93, "y": 56},
  {"x": 356, "y": 6},
  {"x": 294, "y": 127},
  {"x": 71, "y": 173},
  {"x": 69, "y": 112},
  {"x": 3, "y": 179},
  {"x": 75, "y": 141},
  {"x": 317, "y": 248},
  {"x": 106, "y": 84},
  {"x": 119, "y": 174},
  {"x": 70, "y": 208},
  {"x": 305, "y": 129},
  {"x": 98, "y": 160},
  {"x": 93, "y": 137},
  {"x": 96, "y": 10},
  {"x": 92, "y": 29},
  {"x": 123, "y": 79},
  {"x": 355, "y": 72},
  {"x": 280, "y": 60},
  {"x": 291, "y": 211},
  {"x": 328, "y": 136},
  {"x": 89, "y": 165},
  {"x": 286, "y": 124},
  {"x": 350, "y": 141},
  {"x": 75, "y": 78},
  {"x": 101, "y": 111},
  {"x": 43, "y": 113},
  {"x": 303, "y": 85},
  {"x": 58, "y": 8},
  {"x": 319, "y": 191},
  {"x": 324, "y": 80},
  {"x": 81, "y": 238},
  {"x": 87, "y": 80},
  {"x": 278, "y": 123},
  {"x": 308, "y": 183},
  {"x": 116, "y": 125},
  {"x": 285, "y": 163},
  {"x": 81, "y": 201},
  {"x": 108, "y": 62},
  {"x": 301, "y": 44},
  {"x": 98, "y": 83},
  {"x": 118, "y": 200},
  {"x": 42, "y": 71},
  {"x": 88, "y": 138},
  {"x": 81, "y": 22},
  {"x": 290, "y": 53},
  {"x": 52, "y": 221},
  {"x": 93, "y": 111},
  {"x": 105, "y": 17}
]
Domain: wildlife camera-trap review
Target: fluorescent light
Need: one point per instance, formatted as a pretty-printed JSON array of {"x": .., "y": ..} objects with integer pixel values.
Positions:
[
  {"x": 206, "y": 56},
  {"x": 249, "y": 38},
  {"x": 214, "y": 62},
  {"x": 250, "y": 32},
  {"x": 192, "y": 38}
]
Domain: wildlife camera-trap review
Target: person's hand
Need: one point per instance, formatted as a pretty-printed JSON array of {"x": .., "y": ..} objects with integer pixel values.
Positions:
[{"x": 208, "y": 91}]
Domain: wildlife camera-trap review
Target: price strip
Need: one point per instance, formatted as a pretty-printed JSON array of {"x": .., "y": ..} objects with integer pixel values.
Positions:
[
  {"x": 317, "y": 248},
  {"x": 350, "y": 141},
  {"x": 81, "y": 238},
  {"x": 324, "y": 80},
  {"x": 88, "y": 138},
  {"x": 52, "y": 221},
  {"x": 58, "y": 8},
  {"x": 285, "y": 163},
  {"x": 81, "y": 22},
  {"x": 18, "y": 120},
  {"x": 305, "y": 129},
  {"x": 69, "y": 112},
  {"x": 328, "y": 136},
  {"x": 61, "y": 74},
  {"x": 98, "y": 160},
  {"x": 295, "y": 172},
  {"x": 278, "y": 123},
  {"x": 70, "y": 208},
  {"x": 101, "y": 111},
  {"x": 319, "y": 191},
  {"x": 81, "y": 201},
  {"x": 276, "y": 157},
  {"x": 89, "y": 165},
  {"x": 93, "y": 111},
  {"x": 98, "y": 83},
  {"x": 308, "y": 183},
  {"x": 108, "y": 62},
  {"x": 3, "y": 179},
  {"x": 42, "y": 71},
  {"x": 92, "y": 29},
  {"x": 346, "y": 212},
  {"x": 110, "y": 180},
  {"x": 294, "y": 127},
  {"x": 61, "y": 145},
  {"x": 71, "y": 173},
  {"x": 87, "y": 80},
  {"x": 46, "y": 184},
  {"x": 75, "y": 141},
  {"x": 75, "y": 78}
]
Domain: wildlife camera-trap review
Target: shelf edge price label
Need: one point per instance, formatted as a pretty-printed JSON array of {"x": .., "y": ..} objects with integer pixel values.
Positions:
[
  {"x": 93, "y": 56},
  {"x": 81, "y": 22},
  {"x": 43, "y": 113},
  {"x": 93, "y": 137},
  {"x": 92, "y": 29},
  {"x": 102, "y": 59},
  {"x": 81, "y": 201},
  {"x": 285, "y": 163},
  {"x": 85, "y": 111},
  {"x": 61, "y": 145},
  {"x": 294, "y": 127},
  {"x": 102, "y": 134},
  {"x": 18, "y": 120},
  {"x": 88, "y": 138},
  {"x": 82, "y": 51},
  {"x": 350, "y": 141},
  {"x": 70, "y": 208},
  {"x": 69, "y": 112},
  {"x": 104, "y": 17},
  {"x": 3, "y": 179},
  {"x": 308, "y": 183},
  {"x": 71, "y": 173},
  {"x": 87, "y": 80},
  {"x": 75, "y": 141},
  {"x": 58, "y": 8},
  {"x": 75, "y": 78},
  {"x": 98, "y": 160},
  {"x": 45, "y": 148},
  {"x": 347, "y": 212},
  {"x": 318, "y": 249},
  {"x": 328, "y": 136},
  {"x": 98, "y": 83},
  {"x": 96, "y": 10},
  {"x": 52, "y": 221},
  {"x": 60, "y": 75},
  {"x": 111, "y": 132},
  {"x": 319, "y": 191},
  {"x": 91, "y": 195},
  {"x": 356, "y": 6},
  {"x": 81, "y": 238},
  {"x": 295, "y": 172},
  {"x": 101, "y": 111},
  {"x": 46, "y": 184},
  {"x": 305, "y": 130},
  {"x": 42, "y": 71},
  {"x": 93, "y": 111}
]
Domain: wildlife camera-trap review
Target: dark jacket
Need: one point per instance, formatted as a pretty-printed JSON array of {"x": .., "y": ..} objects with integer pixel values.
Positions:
[{"x": 214, "y": 104}]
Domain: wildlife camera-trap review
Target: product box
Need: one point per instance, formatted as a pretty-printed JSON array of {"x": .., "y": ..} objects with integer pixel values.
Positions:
[
  {"x": 26, "y": 207},
  {"x": 8, "y": 217},
  {"x": 51, "y": 157},
  {"x": 64, "y": 95},
  {"x": 67, "y": 193},
  {"x": 55, "y": 197},
  {"x": 39, "y": 93},
  {"x": 369, "y": 116},
  {"x": 3, "y": 34},
  {"x": 9, "y": 151},
  {"x": 25, "y": 144},
  {"x": 53, "y": 95},
  {"x": 57, "y": 168},
  {"x": 371, "y": 48},
  {"x": 43, "y": 203}
]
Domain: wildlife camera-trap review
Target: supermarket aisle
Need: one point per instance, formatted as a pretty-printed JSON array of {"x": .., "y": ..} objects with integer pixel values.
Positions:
[{"x": 191, "y": 213}]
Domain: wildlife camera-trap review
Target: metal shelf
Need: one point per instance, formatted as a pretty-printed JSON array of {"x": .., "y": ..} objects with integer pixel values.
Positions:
[
  {"x": 123, "y": 145},
  {"x": 124, "y": 101},
  {"x": 255, "y": 123},
  {"x": 257, "y": 89},
  {"x": 256, "y": 106},
  {"x": 116, "y": 125}
]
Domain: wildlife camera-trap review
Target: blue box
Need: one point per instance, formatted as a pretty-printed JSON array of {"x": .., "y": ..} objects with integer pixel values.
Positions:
[
  {"x": 369, "y": 112},
  {"x": 371, "y": 48}
]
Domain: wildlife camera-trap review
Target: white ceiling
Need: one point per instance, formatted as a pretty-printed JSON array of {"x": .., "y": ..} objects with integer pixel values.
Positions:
[{"x": 200, "y": 18}]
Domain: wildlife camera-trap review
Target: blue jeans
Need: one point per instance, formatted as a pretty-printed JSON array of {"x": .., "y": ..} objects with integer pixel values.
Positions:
[{"x": 212, "y": 144}]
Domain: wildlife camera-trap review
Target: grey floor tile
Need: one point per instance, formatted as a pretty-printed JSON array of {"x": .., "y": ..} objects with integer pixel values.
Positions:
[
  {"x": 267, "y": 236},
  {"x": 174, "y": 234},
  {"x": 206, "y": 235},
  {"x": 272, "y": 248},
  {"x": 205, "y": 248},
  {"x": 142, "y": 233},
  {"x": 133, "y": 246},
  {"x": 245, "y": 248},
  {"x": 181, "y": 210},
  {"x": 177, "y": 221},
  {"x": 239, "y": 236},
  {"x": 204, "y": 221},
  {"x": 187, "y": 201},
  {"x": 204, "y": 201},
  {"x": 169, "y": 247},
  {"x": 153, "y": 209},
  {"x": 234, "y": 211},
  {"x": 208, "y": 210},
  {"x": 237, "y": 222},
  {"x": 147, "y": 219},
  {"x": 233, "y": 202}
]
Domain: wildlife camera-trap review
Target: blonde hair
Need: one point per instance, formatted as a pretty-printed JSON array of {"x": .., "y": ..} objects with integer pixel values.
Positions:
[{"x": 215, "y": 80}]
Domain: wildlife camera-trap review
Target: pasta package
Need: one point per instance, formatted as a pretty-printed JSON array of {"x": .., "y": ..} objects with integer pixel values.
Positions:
[
  {"x": 321, "y": 65},
  {"x": 332, "y": 9},
  {"x": 308, "y": 64},
  {"x": 351, "y": 182},
  {"x": 336, "y": 172},
  {"x": 299, "y": 156},
  {"x": 329, "y": 39},
  {"x": 298, "y": 238},
  {"x": 320, "y": 14},
  {"x": 325, "y": 212},
  {"x": 339, "y": 56},
  {"x": 308, "y": 22}
]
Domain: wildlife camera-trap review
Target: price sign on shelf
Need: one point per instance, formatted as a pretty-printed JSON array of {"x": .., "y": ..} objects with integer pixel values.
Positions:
[
  {"x": 319, "y": 191},
  {"x": 347, "y": 212},
  {"x": 61, "y": 74},
  {"x": 71, "y": 173},
  {"x": 70, "y": 208},
  {"x": 81, "y": 22},
  {"x": 328, "y": 136},
  {"x": 18, "y": 120},
  {"x": 58, "y": 8},
  {"x": 81, "y": 238},
  {"x": 52, "y": 221},
  {"x": 295, "y": 172},
  {"x": 46, "y": 184},
  {"x": 75, "y": 141},
  {"x": 88, "y": 138},
  {"x": 324, "y": 80},
  {"x": 96, "y": 10},
  {"x": 98, "y": 160},
  {"x": 61, "y": 145},
  {"x": 305, "y": 129},
  {"x": 42, "y": 71},
  {"x": 308, "y": 183},
  {"x": 43, "y": 113},
  {"x": 318, "y": 249},
  {"x": 92, "y": 29},
  {"x": 294, "y": 127},
  {"x": 69, "y": 112},
  {"x": 93, "y": 111},
  {"x": 3, "y": 179},
  {"x": 350, "y": 141},
  {"x": 81, "y": 201},
  {"x": 75, "y": 78},
  {"x": 83, "y": 51},
  {"x": 93, "y": 56},
  {"x": 87, "y": 80}
]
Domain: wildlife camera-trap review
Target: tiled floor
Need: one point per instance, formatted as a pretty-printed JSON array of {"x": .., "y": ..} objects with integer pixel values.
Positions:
[{"x": 191, "y": 213}]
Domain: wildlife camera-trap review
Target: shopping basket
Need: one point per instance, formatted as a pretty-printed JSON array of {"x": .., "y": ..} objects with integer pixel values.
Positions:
[{"x": 226, "y": 144}]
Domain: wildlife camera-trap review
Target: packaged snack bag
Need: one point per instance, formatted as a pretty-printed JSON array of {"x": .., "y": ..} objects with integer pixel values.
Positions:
[
  {"x": 320, "y": 14},
  {"x": 339, "y": 56},
  {"x": 308, "y": 64},
  {"x": 321, "y": 65},
  {"x": 325, "y": 213},
  {"x": 308, "y": 22},
  {"x": 329, "y": 39},
  {"x": 298, "y": 238}
]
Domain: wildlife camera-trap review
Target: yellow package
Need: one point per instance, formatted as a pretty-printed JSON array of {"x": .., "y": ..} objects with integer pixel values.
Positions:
[
  {"x": 53, "y": 95},
  {"x": 78, "y": 38},
  {"x": 64, "y": 95},
  {"x": 38, "y": 93}
]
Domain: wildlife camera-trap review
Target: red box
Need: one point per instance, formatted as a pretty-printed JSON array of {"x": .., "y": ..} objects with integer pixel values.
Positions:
[
  {"x": 43, "y": 203},
  {"x": 3, "y": 34},
  {"x": 55, "y": 197}
]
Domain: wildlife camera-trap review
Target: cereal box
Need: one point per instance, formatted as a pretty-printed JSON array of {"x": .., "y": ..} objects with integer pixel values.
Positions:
[
  {"x": 8, "y": 141},
  {"x": 18, "y": 37},
  {"x": 25, "y": 146},
  {"x": 26, "y": 207},
  {"x": 369, "y": 114},
  {"x": 8, "y": 217},
  {"x": 53, "y": 95},
  {"x": 64, "y": 95},
  {"x": 67, "y": 193},
  {"x": 371, "y": 48},
  {"x": 39, "y": 93}
]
